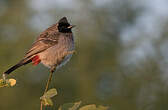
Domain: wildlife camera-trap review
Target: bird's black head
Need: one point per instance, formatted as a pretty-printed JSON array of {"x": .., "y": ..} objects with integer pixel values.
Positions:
[{"x": 64, "y": 26}]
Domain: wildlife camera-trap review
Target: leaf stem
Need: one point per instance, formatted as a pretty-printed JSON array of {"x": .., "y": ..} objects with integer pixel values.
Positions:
[{"x": 47, "y": 86}]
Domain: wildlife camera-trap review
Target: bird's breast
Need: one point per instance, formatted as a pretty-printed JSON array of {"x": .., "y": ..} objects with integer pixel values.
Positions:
[{"x": 58, "y": 54}]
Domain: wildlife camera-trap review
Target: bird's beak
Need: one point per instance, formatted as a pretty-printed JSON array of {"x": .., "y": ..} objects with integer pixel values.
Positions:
[{"x": 71, "y": 26}]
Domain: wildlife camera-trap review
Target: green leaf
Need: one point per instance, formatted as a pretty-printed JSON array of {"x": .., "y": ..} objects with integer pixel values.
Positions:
[
  {"x": 46, "y": 98},
  {"x": 3, "y": 83},
  {"x": 50, "y": 93},
  {"x": 93, "y": 107},
  {"x": 7, "y": 82},
  {"x": 76, "y": 105},
  {"x": 47, "y": 102},
  {"x": 70, "y": 106},
  {"x": 88, "y": 107}
]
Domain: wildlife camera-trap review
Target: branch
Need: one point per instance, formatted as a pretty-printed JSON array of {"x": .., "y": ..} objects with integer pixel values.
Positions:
[{"x": 47, "y": 86}]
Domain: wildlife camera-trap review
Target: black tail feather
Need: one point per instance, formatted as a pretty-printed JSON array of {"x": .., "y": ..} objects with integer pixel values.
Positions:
[
  {"x": 13, "y": 68},
  {"x": 21, "y": 63}
]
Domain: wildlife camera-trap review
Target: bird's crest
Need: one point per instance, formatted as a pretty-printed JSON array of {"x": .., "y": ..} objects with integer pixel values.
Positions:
[{"x": 63, "y": 20}]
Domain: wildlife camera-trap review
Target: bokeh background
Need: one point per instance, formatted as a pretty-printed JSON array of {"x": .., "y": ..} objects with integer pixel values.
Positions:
[{"x": 121, "y": 59}]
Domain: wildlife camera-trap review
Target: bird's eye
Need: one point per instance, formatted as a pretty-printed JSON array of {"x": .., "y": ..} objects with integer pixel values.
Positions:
[{"x": 63, "y": 27}]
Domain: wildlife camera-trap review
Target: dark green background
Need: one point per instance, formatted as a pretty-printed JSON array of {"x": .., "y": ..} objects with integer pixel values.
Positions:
[{"x": 121, "y": 58}]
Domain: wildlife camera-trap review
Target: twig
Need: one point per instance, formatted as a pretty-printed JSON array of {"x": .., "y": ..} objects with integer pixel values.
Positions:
[
  {"x": 4, "y": 76},
  {"x": 48, "y": 82},
  {"x": 46, "y": 88},
  {"x": 41, "y": 105}
]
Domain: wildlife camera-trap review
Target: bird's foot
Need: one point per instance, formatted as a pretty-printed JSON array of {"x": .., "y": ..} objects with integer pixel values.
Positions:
[{"x": 52, "y": 69}]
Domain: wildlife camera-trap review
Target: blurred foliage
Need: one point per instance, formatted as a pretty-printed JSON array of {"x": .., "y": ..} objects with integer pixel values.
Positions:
[
  {"x": 75, "y": 106},
  {"x": 121, "y": 58},
  {"x": 46, "y": 98},
  {"x": 70, "y": 106},
  {"x": 7, "y": 82}
]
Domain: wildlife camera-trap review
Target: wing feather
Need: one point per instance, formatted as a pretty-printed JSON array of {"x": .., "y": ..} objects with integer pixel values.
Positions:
[{"x": 43, "y": 42}]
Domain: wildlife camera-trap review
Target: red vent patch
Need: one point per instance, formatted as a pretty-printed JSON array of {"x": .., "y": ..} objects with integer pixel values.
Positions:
[{"x": 36, "y": 60}]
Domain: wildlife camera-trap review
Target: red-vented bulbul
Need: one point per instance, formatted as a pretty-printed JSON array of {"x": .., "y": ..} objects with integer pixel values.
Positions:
[{"x": 53, "y": 47}]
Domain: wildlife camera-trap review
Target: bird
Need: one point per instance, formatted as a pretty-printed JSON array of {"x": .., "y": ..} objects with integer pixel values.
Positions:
[{"x": 53, "y": 47}]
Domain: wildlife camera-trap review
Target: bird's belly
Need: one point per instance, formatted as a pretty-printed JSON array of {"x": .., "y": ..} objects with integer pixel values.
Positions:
[
  {"x": 64, "y": 61},
  {"x": 55, "y": 57}
]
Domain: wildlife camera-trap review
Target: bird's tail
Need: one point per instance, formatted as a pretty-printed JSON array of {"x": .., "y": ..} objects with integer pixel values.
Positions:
[{"x": 21, "y": 63}]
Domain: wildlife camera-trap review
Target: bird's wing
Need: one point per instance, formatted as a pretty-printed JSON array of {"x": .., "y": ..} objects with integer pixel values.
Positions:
[{"x": 44, "y": 41}]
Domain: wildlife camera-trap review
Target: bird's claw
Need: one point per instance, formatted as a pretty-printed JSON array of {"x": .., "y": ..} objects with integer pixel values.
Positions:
[{"x": 52, "y": 69}]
